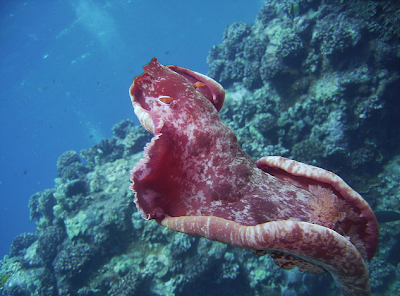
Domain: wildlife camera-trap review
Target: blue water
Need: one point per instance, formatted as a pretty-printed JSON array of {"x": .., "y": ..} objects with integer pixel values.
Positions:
[{"x": 65, "y": 70}]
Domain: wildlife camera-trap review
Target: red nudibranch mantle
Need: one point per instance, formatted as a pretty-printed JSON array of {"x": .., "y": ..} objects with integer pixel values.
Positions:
[{"x": 195, "y": 179}]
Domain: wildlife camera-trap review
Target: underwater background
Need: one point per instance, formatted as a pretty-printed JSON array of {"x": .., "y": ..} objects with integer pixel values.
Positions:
[
  {"x": 315, "y": 81},
  {"x": 66, "y": 67}
]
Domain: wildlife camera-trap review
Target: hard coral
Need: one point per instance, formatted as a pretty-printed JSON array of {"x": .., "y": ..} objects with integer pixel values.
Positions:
[
  {"x": 69, "y": 166},
  {"x": 124, "y": 286},
  {"x": 41, "y": 205},
  {"x": 36, "y": 281},
  {"x": 122, "y": 129},
  {"x": 236, "y": 32},
  {"x": 335, "y": 33},
  {"x": 21, "y": 242},
  {"x": 73, "y": 263},
  {"x": 48, "y": 241},
  {"x": 106, "y": 151}
]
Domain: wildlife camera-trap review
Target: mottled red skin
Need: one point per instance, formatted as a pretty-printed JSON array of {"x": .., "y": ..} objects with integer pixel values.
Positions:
[
  {"x": 195, "y": 165},
  {"x": 314, "y": 243},
  {"x": 194, "y": 178},
  {"x": 213, "y": 92},
  {"x": 301, "y": 175}
]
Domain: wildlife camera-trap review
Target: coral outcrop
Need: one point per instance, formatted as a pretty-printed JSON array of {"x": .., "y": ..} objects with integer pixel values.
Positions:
[{"x": 312, "y": 86}]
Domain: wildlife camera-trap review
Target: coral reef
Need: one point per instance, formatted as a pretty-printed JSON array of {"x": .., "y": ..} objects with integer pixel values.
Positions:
[
  {"x": 69, "y": 166},
  {"x": 319, "y": 87},
  {"x": 91, "y": 241},
  {"x": 21, "y": 243},
  {"x": 312, "y": 87}
]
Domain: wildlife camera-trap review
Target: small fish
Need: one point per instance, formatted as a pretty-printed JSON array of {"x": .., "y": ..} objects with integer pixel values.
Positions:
[
  {"x": 387, "y": 216},
  {"x": 394, "y": 252},
  {"x": 293, "y": 9}
]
